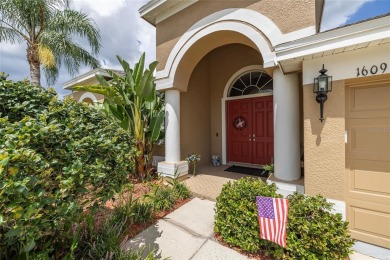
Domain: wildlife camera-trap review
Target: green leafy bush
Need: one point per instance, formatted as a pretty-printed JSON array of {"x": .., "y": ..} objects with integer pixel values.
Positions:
[
  {"x": 313, "y": 232},
  {"x": 236, "y": 213},
  {"x": 20, "y": 99},
  {"x": 56, "y": 159}
]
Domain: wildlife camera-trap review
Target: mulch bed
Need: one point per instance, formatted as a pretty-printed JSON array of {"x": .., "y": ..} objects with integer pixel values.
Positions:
[{"x": 139, "y": 190}]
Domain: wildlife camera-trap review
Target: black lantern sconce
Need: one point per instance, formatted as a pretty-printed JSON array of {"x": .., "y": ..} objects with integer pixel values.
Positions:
[{"x": 322, "y": 85}]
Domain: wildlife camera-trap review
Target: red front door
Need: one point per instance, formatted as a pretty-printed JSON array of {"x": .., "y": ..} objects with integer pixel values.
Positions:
[{"x": 250, "y": 130}]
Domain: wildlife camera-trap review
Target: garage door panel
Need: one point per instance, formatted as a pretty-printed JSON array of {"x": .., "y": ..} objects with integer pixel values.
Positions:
[
  {"x": 368, "y": 224},
  {"x": 371, "y": 221},
  {"x": 374, "y": 182},
  {"x": 360, "y": 101},
  {"x": 369, "y": 178},
  {"x": 367, "y": 182},
  {"x": 368, "y": 139}
]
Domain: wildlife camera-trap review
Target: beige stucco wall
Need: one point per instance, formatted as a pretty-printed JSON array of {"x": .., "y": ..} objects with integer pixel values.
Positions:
[
  {"x": 324, "y": 147},
  {"x": 201, "y": 115},
  {"x": 195, "y": 115},
  {"x": 288, "y": 15}
]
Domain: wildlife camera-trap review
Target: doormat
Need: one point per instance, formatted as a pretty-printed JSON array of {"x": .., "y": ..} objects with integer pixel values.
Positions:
[{"x": 263, "y": 174}]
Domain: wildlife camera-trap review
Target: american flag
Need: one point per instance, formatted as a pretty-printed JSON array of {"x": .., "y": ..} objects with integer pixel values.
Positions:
[{"x": 272, "y": 214}]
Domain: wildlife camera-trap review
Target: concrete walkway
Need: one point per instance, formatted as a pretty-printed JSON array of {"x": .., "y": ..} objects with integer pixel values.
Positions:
[{"x": 186, "y": 233}]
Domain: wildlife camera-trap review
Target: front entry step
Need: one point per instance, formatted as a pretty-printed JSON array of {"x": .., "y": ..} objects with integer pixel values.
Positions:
[{"x": 286, "y": 188}]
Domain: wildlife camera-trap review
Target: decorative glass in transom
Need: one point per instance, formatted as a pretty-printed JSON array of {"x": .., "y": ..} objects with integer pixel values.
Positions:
[{"x": 252, "y": 82}]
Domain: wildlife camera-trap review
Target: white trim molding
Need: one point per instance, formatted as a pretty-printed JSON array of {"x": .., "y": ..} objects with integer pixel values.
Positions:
[
  {"x": 261, "y": 30},
  {"x": 338, "y": 38},
  {"x": 88, "y": 95}
]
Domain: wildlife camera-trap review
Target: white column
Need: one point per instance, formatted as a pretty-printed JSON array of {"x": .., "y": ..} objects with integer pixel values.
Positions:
[
  {"x": 286, "y": 126},
  {"x": 172, "y": 126},
  {"x": 172, "y": 166}
]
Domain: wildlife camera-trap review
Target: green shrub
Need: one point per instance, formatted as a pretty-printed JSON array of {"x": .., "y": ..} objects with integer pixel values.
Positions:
[
  {"x": 236, "y": 213},
  {"x": 20, "y": 99},
  {"x": 313, "y": 232},
  {"x": 56, "y": 158}
]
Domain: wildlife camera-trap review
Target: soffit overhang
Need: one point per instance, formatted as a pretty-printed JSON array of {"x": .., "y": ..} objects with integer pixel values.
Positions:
[
  {"x": 156, "y": 11},
  {"x": 88, "y": 76},
  {"x": 291, "y": 55}
]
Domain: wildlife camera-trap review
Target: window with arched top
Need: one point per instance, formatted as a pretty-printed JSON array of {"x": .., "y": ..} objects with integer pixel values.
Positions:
[{"x": 251, "y": 82}]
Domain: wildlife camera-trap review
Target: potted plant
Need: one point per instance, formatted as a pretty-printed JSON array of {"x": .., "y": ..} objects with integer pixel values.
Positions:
[{"x": 193, "y": 160}]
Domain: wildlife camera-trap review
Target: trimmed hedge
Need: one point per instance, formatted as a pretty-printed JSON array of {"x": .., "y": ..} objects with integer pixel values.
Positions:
[
  {"x": 313, "y": 232},
  {"x": 56, "y": 159},
  {"x": 236, "y": 213}
]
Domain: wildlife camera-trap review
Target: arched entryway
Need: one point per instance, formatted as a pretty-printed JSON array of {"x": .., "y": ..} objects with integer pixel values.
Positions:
[
  {"x": 201, "y": 119},
  {"x": 195, "y": 75},
  {"x": 249, "y": 118}
]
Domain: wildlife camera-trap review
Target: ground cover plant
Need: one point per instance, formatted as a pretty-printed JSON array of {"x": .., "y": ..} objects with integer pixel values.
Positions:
[
  {"x": 313, "y": 232},
  {"x": 57, "y": 158}
]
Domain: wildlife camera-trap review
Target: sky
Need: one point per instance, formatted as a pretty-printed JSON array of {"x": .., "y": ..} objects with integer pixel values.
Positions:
[
  {"x": 342, "y": 12},
  {"x": 125, "y": 33}
]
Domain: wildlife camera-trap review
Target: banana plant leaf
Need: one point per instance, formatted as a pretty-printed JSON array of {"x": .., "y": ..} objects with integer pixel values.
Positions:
[{"x": 156, "y": 123}]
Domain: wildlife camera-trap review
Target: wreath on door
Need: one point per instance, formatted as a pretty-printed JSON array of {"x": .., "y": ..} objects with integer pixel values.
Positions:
[{"x": 239, "y": 123}]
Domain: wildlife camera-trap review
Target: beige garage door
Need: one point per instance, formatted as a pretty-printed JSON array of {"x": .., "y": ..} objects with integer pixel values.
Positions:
[{"x": 368, "y": 160}]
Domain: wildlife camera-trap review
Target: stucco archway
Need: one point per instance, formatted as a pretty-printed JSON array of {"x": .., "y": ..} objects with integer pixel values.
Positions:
[{"x": 261, "y": 31}]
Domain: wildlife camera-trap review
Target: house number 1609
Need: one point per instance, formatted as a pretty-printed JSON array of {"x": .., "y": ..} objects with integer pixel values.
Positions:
[{"x": 373, "y": 70}]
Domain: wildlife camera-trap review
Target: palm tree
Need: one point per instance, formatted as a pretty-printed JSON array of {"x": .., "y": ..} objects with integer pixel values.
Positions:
[{"x": 48, "y": 28}]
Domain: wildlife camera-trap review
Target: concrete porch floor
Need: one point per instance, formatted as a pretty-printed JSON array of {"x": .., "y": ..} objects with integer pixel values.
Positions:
[{"x": 208, "y": 182}]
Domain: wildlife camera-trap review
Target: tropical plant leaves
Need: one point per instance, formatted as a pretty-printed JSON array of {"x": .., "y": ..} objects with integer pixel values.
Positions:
[{"x": 155, "y": 126}]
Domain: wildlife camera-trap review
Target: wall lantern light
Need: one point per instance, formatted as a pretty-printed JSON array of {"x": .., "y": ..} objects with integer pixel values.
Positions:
[{"x": 322, "y": 85}]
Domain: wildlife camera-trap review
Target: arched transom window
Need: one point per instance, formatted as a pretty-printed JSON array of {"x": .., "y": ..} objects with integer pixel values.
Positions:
[{"x": 252, "y": 82}]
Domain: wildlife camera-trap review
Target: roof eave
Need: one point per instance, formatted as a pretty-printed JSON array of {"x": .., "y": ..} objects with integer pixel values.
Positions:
[
  {"x": 156, "y": 11},
  {"x": 83, "y": 77}
]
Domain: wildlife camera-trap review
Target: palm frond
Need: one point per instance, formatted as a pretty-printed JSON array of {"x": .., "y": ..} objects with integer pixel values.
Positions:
[
  {"x": 51, "y": 74},
  {"x": 9, "y": 35},
  {"x": 67, "y": 52},
  {"x": 72, "y": 22}
]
